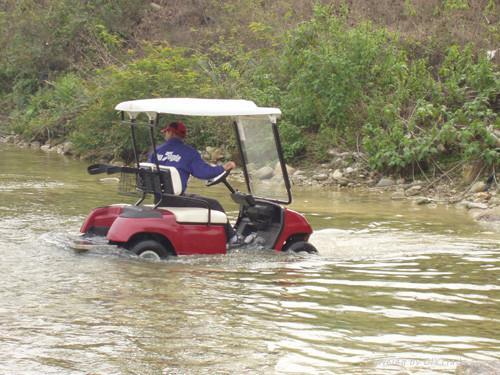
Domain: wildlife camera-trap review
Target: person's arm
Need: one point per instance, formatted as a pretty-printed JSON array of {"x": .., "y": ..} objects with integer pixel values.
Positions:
[{"x": 201, "y": 169}]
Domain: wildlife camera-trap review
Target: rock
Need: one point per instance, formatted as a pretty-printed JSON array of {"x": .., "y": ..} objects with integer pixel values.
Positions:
[
  {"x": 400, "y": 181},
  {"x": 422, "y": 200},
  {"x": 398, "y": 195},
  {"x": 276, "y": 180},
  {"x": 155, "y": 6},
  {"x": 320, "y": 177},
  {"x": 67, "y": 148},
  {"x": 35, "y": 145},
  {"x": 471, "y": 205},
  {"x": 45, "y": 147},
  {"x": 470, "y": 171},
  {"x": 358, "y": 155},
  {"x": 494, "y": 201},
  {"x": 251, "y": 167},
  {"x": 349, "y": 170},
  {"x": 483, "y": 196},
  {"x": 10, "y": 139},
  {"x": 385, "y": 181},
  {"x": 478, "y": 368},
  {"x": 333, "y": 152},
  {"x": 490, "y": 215},
  {"x": 477, "y": 187},
  {"x": 264, "y": 173},
  {"x": 277, "y": 169},
  {"x": 414, "y": 190},
  {"x": 217, "y": 155},
  {"x": 213, "y": 153},
  {"x": 343, "y": 182},
  {"x": 289, "y": 169},
  {"x": 337, "y": 175}
]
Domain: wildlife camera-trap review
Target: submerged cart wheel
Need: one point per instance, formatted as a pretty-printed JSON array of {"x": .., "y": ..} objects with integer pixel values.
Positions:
[
  {"x": 301, "y": 246},
  {"x": 149, "y": 249}
]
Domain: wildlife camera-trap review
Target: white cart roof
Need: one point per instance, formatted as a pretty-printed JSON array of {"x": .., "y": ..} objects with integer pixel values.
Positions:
[{"x": 196, "y": 107}]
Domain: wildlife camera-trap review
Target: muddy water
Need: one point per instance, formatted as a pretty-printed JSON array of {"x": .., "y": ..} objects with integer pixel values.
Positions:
[{"x": 395, "y": 288}]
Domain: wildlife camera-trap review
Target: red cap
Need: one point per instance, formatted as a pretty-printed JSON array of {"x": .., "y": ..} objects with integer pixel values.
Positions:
[{"x": 177, "y": 127}]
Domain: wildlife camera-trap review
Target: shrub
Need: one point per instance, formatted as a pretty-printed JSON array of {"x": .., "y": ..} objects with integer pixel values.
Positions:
[
  {"x": 333, "y": 70},
  {"x": 453, "y": 118},
  {"x": 50, "y": 112},
  {"x": 163, "y": 72}
]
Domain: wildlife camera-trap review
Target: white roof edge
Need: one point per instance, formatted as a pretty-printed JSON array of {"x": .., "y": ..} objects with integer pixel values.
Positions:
[{"x": 196, "y": 107}]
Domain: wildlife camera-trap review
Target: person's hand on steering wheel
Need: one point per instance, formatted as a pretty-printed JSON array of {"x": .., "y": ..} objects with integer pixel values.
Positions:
[
  {"x": 229, "y": 165},
  {"x": 218, "y": 179}
]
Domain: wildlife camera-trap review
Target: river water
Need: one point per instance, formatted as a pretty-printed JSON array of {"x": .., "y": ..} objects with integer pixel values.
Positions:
[{"x": 396, "y": 288}]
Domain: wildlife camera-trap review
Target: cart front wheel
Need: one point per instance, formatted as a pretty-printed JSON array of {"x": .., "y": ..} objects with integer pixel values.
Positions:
[{"x": 301, "y": 246}]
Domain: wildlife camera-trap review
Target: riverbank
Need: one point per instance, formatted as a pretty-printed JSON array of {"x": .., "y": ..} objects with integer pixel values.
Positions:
[{"x": 468, "y": 186}]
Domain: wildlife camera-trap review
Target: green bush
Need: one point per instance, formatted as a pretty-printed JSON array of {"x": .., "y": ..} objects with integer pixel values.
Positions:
[
  {"x": 332, "y": 71},
  {"x": 51, "y": 111},
  {"x": 41, "y": 39},
  {"x": 452, "y": 118},
  {"x": 293, "y": 141},
  {"x": 164, "y": 72}
]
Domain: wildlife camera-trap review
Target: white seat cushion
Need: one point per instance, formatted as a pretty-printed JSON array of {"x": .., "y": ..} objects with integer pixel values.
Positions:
[{"x": 196, "y": 215}]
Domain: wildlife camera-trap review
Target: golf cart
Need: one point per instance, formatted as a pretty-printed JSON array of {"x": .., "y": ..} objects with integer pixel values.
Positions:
[{"x": 176, "y": 224}]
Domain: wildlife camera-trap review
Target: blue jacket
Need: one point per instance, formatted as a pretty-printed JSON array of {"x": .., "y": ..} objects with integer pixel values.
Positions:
[{"x": 186, "y": 159}]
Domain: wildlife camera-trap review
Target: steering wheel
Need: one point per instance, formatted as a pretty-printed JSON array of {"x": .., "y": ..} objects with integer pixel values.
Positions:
[{"x": 218, "y": 179}]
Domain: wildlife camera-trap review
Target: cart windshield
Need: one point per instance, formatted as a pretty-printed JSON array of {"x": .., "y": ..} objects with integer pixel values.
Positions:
[{"x": 261, "y": 155}]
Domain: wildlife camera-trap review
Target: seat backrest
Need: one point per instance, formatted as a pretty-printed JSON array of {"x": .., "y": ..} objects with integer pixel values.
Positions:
[{"x": 175, "y": 177}]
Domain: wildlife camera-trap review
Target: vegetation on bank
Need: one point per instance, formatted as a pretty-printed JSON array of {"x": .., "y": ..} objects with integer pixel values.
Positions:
[{"x": 407, "y": 103}]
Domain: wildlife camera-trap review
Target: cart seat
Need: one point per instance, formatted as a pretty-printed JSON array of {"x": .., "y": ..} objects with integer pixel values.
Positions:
[
  {"x": 196, "y": 215},
  {"x": 189, "y": 215},
  {"x": 175, "y": 177}
]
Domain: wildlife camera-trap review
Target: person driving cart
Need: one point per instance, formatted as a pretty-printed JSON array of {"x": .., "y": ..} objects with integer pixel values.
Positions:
[
  {"x": 188, "y": 161},
  {"x": 175, "y": 153}
]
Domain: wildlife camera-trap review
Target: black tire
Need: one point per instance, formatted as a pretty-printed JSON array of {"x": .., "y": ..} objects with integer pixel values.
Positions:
[
  {"x": 148, "y": 248},
  {"x": 299, "y": 247}
]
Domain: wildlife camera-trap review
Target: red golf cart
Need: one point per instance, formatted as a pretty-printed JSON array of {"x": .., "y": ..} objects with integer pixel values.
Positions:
[{"x": 176, "y": 224}]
